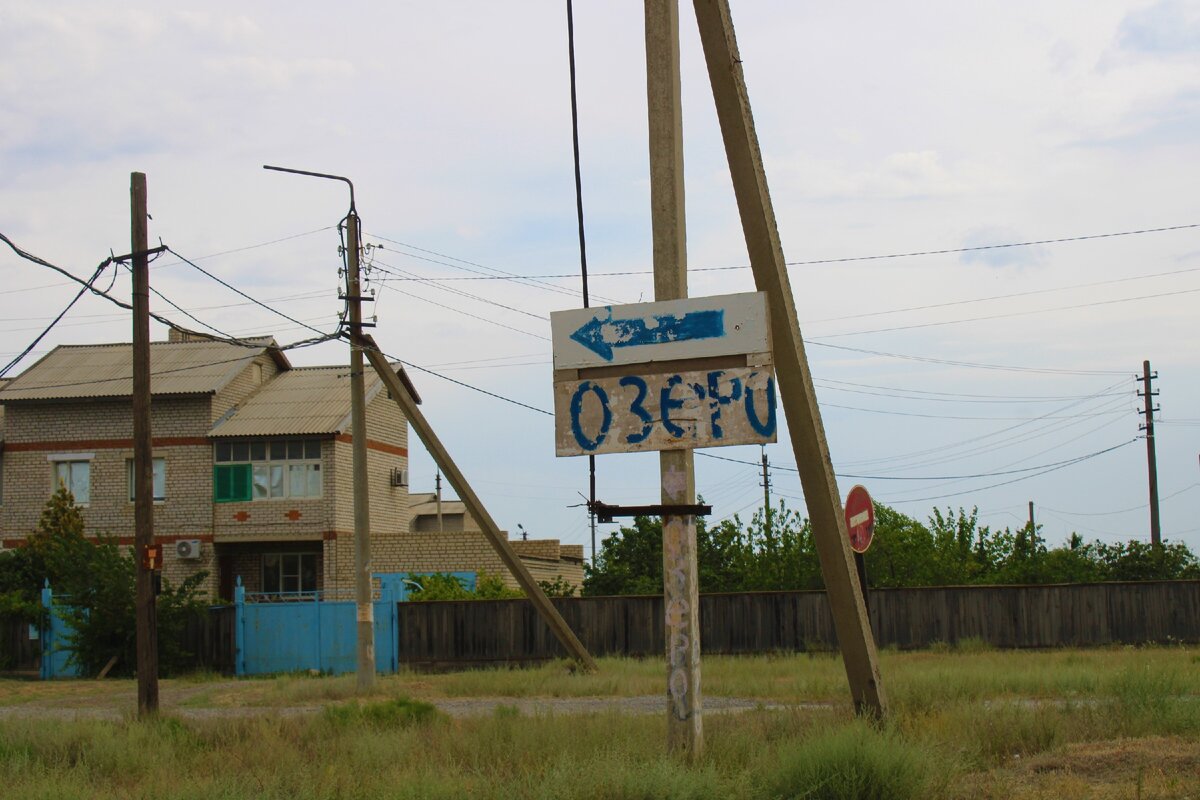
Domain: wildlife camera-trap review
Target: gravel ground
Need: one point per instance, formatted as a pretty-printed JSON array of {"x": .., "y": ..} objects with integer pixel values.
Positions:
[{"x": 454, "y": 707}]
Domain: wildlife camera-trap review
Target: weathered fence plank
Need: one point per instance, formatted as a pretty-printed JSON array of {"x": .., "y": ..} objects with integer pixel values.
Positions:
[{"x": 508, "y": 631}]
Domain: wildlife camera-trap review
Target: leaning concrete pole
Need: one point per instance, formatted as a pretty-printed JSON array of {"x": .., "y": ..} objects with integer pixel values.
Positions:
[
  {"x": 558, "y": 626},
  {"x": 798, "y": 397},
  {"x": 681, "y": 584}
]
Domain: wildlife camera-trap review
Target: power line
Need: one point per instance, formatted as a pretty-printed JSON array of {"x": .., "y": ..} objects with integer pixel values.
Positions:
[
  {"x": 969, "y": 364},
  {"x": 1119, "y": 510},
  {"x": 814, "y": 262},
  {"x": 86, "y": 287},
  {"x": 239, "y": 292},
  {"x": 1008, "y": 315},
  {"x": 1015, "y": 480}
]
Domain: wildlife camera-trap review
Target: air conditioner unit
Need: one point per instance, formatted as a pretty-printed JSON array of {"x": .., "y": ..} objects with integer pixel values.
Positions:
[
  {"x": 399, "y": 477},
  {"x": 188, "y": 549}
]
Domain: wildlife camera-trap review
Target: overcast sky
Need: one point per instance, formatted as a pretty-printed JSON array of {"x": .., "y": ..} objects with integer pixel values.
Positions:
[{"x": 886, "y": 129}]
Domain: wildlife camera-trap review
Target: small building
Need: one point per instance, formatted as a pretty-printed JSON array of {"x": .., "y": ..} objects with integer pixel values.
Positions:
[{"x": 444, "y": 533}]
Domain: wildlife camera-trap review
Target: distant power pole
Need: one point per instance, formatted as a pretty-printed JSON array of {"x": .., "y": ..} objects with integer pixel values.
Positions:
[
  {"x": 143, "y": 454},
  {"x": 766, "y": 484},
  {"x": 437, "y": 482},
  {"x": 1033, "y": 539},
  {"x": 1150, "y": 393}
]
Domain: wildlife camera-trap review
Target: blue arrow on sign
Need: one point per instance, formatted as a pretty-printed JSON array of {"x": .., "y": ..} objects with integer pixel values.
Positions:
[{"x": 601, "y": 336}]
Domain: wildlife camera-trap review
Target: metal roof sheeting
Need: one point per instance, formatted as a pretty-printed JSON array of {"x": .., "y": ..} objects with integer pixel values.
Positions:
[
  {"x": 301, "y": 401},
  {"x": 106, "y": 370}
]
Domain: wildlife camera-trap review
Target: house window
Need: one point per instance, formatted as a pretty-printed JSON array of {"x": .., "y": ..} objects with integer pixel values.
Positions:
[
  {"x": 267, "y": 469},
  {"x": 160, "y": 479},
  {"x": 76, "y": 476},
  {"x": 289, "y": 573}
]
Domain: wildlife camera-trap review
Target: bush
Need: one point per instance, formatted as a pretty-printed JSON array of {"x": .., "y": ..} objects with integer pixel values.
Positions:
[
  {"x": 399, "y": 712},
  {"x": 857, "y": 762}
]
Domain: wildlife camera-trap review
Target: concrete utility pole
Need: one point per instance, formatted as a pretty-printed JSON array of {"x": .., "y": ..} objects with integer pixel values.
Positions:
[
  {"x": 365, "y": 608},
  {"x": 400, "y": 395},
  {"x": 1033, "y": 538},
  {"x": 358, "y": 430},
  {"x": 766, "y": 484},
  {"x": 437, "y": 482},
  {"x": 1150, "y": 393},
  {"x": 143, "y": 454},
  {"x": 795, "y": 381},
  {"x": 681, "y": 590}
]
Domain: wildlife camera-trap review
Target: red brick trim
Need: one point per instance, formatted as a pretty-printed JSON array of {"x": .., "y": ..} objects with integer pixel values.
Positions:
[
  {"x": 125, "y": 541},
  {"x": 372, "y": 444},
  {"x": 104, "y": 444}
]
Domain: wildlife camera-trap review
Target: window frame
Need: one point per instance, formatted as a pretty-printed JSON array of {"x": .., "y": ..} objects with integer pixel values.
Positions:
[
  {"x": 131, "y": 481},
  {"x": 70, "y": 460},
  {"x": 273, "y": 465},
  {"x": 282, "y": 574}
]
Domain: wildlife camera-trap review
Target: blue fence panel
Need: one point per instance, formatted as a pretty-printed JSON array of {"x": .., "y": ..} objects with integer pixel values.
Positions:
[
  {"x": 55, "y": 633},
  {"x": 316, "y": 634}
]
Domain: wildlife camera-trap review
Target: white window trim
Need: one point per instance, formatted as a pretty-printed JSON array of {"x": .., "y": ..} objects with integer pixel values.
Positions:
[
  {"x": 70, "y": 456},
  {"x": 61, "y": 458},
  {"x": 129, "y": 479}
]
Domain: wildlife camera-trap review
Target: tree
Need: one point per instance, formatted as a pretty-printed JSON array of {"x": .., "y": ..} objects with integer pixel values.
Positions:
[{"x": 94, "y": 584}]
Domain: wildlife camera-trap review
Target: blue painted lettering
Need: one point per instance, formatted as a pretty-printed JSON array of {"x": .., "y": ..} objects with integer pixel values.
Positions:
[
  {"x": 666, "y": 404},
  {"x": 577, "y": 410},
  {"x": 717, "y": 399},
  {"x": 767, "y": 429},
  {"x": 638, "y": 409}
]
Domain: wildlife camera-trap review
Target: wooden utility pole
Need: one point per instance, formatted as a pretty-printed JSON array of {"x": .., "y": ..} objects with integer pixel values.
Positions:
[
  {"x": 795, "y": 381},
  {"x": 143, "y": 453},
  {"x": 364, "y": 603},
  {"x": 437, "y": 480},
  {"x": 681, "y": 591},
  {"x": 558, "y": 626},
  {"x": 1149, "y": 393}
]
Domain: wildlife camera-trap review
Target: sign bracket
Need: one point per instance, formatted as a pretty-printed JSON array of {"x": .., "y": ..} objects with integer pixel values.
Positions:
[{"x": 605, "y": 512}]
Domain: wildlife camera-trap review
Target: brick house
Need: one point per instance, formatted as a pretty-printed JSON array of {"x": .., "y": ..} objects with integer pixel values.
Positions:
[
  {"x": 252, "y": 459},
  {"x": 252, "y": 467}
]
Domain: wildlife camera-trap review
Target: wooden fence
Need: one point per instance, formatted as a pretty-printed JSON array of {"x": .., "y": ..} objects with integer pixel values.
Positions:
[
  {"x": 18, "y": 653},
  {"x": 509, "y": 631}
]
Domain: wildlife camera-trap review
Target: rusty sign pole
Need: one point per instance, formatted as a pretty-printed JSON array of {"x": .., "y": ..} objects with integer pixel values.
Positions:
[
  {"x": 681, "y": 591},
  {"x": 791, "y": 364},
  {"x": 558, "y": 626}
]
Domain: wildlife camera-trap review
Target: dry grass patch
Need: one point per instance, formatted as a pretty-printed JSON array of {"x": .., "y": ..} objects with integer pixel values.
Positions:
[{"x": 1153, "y": 767}]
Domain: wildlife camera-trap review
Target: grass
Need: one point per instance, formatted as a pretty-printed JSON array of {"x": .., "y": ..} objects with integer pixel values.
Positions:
[{"x": 967, "y": 723}]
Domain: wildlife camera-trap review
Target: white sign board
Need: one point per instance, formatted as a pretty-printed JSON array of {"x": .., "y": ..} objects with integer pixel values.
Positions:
[
  {"x": 616, "y": 389},
  {"x": 640, "y": 333},
  {"x": 665, "y": 411}
]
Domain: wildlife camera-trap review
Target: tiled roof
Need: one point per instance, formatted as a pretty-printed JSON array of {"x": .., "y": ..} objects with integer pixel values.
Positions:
[{"x": 106, "y": 370}]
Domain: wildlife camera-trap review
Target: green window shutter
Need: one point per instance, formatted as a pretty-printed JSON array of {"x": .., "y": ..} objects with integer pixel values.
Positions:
[{"x": 231, "y": 483}]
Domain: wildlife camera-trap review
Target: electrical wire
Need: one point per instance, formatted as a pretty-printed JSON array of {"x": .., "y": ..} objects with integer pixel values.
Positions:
[
  {"x": 240, "y": 293},
  {"x": 844, "y": 260},
  {"x": 1014, "y": 480},
  {"x": 968, "y": 364},
  {"x": 84, "y": 290}
]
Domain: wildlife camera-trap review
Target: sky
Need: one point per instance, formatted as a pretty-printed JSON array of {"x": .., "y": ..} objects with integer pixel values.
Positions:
[{"x": 886, "y": 129}]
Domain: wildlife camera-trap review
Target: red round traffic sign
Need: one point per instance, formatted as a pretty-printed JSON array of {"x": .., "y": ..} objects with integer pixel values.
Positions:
[{"x": 860, "y": 519}]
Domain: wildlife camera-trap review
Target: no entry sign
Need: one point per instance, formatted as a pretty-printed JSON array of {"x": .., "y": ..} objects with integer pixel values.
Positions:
[{"x": 860, "y": 519}]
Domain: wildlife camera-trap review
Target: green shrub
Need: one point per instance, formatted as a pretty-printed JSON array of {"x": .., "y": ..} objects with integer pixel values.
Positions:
[
  {"x": 398, "y": 712},
  {"x": 856, "y": 762}
]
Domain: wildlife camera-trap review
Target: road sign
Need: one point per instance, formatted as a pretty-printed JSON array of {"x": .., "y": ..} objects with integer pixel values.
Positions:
[
  {"x": 640, "y": 333},
  {"x": 860, "y": 519},
  {"x": 663, "y": 376},
  {"x": 665, "y": 411}
]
